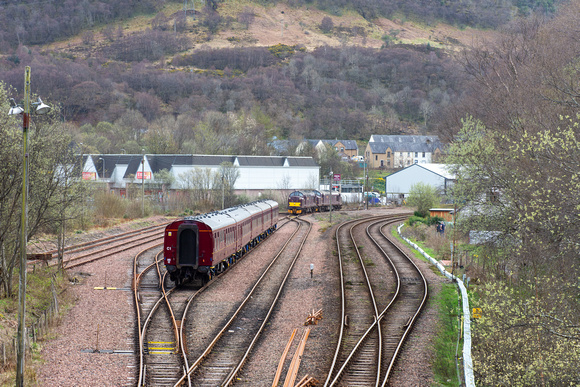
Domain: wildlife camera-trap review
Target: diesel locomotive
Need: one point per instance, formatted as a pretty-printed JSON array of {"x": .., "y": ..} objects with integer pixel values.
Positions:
[{"x": 305, "y": 201}]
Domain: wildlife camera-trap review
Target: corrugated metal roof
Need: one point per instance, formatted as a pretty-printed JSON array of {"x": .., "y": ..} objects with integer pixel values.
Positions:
[
  {"x": 261, "y": 161},
  {"x": 301, "y": 162},
  {"x": 133, "y": 166},
  {"x": 440, "y": 169},
  {"x": 159, "y": 162},
  {"x": 215, "y": 160}
]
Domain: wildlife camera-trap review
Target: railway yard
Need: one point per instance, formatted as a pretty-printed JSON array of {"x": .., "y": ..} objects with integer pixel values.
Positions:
[{"x": 295, "y": 309}]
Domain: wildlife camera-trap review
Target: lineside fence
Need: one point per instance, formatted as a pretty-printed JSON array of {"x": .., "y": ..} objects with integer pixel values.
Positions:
[
  {"x": 32, "y": 333},
  {"x": 467, "y": 360}
]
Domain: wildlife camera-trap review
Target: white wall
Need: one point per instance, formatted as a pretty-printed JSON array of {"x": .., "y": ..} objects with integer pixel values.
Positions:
[
  {"x": 263, "y": 178},
  {"x": 276, "y": 177},
  {"x": 402, "y": 181}
]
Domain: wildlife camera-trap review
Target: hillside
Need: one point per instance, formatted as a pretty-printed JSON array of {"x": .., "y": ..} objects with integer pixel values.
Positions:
[
  {"x": 231, "y": 80},
  {"x": 291, "y": 26}
]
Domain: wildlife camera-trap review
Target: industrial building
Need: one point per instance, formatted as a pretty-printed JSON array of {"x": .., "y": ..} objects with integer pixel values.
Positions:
[
  {"x": 398, "y": 184},
  {"x": 256, "y": 173}
]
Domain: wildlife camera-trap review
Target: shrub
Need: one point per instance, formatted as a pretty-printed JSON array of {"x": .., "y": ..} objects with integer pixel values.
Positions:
[
  {"x": 416, "y": 219},
  {"x": 134, "y": 209},
  {"x": 434, "y": 220},
  {"x": 417, "y": 232},
  {"x": 108, "y": 205},
  {"x": 326, "y": 25}
]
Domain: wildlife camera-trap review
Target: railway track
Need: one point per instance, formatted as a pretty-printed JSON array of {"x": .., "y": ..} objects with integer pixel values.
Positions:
[
  {"x": 412, "y": 290},
  {"x": 162, "y": 323},
  {"x": 374, "y": 328},
  {"x": 359, "y": 301},
  {"x": 83, "y": 253},
  {"x": 159, "y": 321},
  {"x": 220, "y": 358}
]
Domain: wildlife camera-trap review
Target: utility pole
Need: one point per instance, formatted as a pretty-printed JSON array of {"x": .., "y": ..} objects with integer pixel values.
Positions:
[
  {"x": 330, "y": 196},
  {"x": 367, "y": 198},
  {"x": 143, "y": 183},
  {"x": 82, "y": 168},
  {"x": 41, "y": 108},
  {"x": 23, "y": 231},
  {"x": 103, "y": 173},
  {"x": 364, "y": 181}
]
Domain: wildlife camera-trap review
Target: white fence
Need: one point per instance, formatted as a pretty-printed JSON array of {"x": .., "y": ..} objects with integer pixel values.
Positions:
[{"x": 467, "y": 360}]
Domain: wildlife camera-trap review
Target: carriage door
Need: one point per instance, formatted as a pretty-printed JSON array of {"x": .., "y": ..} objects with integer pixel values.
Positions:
[{"x": 187, "y": 245}]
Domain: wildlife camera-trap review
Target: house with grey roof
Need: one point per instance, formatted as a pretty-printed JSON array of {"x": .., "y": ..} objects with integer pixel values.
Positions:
[
  {"x": 256, "y": 173},
  {"x": 345, "y": 148},
  {"x": 400, "y": 151}
]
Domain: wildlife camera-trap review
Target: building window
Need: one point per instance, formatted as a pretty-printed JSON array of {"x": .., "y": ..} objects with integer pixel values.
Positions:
[
  {"x": 342, "y": 149},
  {"x": 423, "y": 154},
  {"x": 376, "y": 157},
  {"x": 416, "y": 154},
  {"x": 389, "y": 154},
  {"x": 382, "y": 163}
]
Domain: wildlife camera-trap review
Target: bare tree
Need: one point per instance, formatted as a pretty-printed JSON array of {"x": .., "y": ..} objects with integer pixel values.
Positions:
[
  {"x": 200, "y": 184},
  {"x": 229, "y": 174},
  {"x": 53, "y": 198}
]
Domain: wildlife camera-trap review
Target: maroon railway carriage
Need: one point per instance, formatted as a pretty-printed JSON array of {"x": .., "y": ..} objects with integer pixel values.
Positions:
[{"x": 202, "y": 246}]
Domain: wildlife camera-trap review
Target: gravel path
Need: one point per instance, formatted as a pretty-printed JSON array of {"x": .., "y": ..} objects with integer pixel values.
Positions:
[{"x": 67, "y": 360}]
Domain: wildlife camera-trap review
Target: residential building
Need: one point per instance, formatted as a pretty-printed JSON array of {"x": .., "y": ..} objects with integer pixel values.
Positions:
[
  {"x": 345, "y": 148},
  {"x": 393, "y": 151}
]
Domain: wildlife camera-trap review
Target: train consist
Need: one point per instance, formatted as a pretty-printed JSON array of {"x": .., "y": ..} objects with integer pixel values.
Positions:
[
  {"x": 305, "y": 201},
  {"x": 199, "y": 247}
]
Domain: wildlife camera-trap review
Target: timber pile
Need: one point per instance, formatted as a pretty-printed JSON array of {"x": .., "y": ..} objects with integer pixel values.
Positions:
[
  {"x": 295, "y": 364},
  {"x": 313, "y": 318},
  {"x": 307, "y": 381}
]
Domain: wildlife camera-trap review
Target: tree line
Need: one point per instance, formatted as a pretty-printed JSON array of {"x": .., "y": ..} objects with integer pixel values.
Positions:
[
  {"x": 54, "y": 189},
  {"x": 515, "y": 145},
  {"x": 236, "y": 100}
]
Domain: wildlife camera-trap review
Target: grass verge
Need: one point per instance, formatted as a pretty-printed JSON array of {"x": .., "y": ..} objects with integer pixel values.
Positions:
[
  {"x": 43, "y": 285},
  {"x": 445, "y": 340}
]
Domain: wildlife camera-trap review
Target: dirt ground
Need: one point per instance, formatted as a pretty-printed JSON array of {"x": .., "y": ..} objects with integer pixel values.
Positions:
[{"x": 105, "y": 318}]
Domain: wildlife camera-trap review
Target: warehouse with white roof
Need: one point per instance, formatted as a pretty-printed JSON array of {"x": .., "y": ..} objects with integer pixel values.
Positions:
[{"x": 398, "y": 184}]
